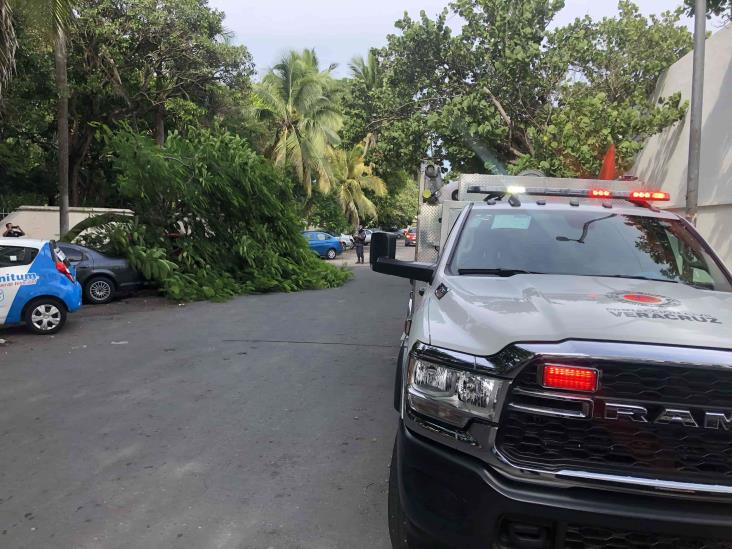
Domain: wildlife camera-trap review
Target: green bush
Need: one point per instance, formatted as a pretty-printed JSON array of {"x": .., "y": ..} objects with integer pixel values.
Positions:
[{"x": 213, "y": 219}]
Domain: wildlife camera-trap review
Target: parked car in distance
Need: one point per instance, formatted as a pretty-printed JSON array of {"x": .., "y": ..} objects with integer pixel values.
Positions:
[
  {"x": 347, "y": 241},
  {"x": 101, "y": 277},
  {"x": 410, "y": 237},
  {"x": 37, "y": 285},
  {"x": 368, "y": 232},
  {"x": 323, "y": 244}
]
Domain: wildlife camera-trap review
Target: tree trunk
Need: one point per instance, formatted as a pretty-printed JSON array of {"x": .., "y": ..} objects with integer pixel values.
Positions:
[
  {"x": 77, "y": 159},
  {"x": 160, "y": 124},
  {"x": 62, "y": 86}
]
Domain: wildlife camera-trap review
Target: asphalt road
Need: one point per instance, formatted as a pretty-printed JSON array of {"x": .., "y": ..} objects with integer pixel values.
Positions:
[{"x": 262, "y": 422}]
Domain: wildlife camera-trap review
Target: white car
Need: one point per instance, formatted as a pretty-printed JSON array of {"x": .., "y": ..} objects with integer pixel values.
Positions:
[
  {"x": 347, "y": 241},
  {"x": 566, "y": 365}
]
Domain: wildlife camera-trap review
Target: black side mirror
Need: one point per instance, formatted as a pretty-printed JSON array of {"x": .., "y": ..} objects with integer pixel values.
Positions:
[
  {"x": 382, "y": 245},
  {"x": 382, "y": 258}
]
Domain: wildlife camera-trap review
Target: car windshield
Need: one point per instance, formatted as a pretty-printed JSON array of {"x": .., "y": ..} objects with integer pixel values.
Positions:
[{"x": 585, "y": 243}]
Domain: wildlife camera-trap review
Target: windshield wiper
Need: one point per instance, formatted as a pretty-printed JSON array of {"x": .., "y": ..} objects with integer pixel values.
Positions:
[
  {"x": 495, "y": 272},
  {"x": 641, "y": 277}
]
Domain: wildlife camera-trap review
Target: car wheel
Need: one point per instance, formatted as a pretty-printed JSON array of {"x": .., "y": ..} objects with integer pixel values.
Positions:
[
  {"x": 44, "y": 316},
  {"x": 99, "y": 290},
  {"x": 331, "y": 254},
  {"x": 397, "y": 520}
]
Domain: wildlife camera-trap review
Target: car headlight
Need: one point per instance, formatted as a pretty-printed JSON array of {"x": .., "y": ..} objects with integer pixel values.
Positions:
[{"x": 452, "y": 395}]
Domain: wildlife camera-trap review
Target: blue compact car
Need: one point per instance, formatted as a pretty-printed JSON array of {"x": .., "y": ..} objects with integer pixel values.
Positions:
[
  {"x": 38, "y": 286},
  {"x": 324, "y": 244}
]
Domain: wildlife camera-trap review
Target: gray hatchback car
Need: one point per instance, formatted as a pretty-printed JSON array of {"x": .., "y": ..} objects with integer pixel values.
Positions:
[{"x": 101, "y": 277}]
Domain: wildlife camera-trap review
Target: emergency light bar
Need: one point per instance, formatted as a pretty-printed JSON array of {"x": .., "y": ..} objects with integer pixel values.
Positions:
[{"x": 633, "y": 196}]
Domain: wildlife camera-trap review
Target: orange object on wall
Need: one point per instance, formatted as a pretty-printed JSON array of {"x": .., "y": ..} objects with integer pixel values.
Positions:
[{"x": 608, "y": 171}]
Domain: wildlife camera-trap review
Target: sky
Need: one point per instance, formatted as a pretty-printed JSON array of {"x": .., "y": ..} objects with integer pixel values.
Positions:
[{"x": 341, "y": 29}]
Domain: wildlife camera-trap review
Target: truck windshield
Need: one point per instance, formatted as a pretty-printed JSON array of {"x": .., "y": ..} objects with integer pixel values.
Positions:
[{"x": 585, "y": 243}]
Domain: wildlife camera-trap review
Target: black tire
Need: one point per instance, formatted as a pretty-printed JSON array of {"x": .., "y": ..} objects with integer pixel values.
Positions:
[
  {"x": 331, "y": 254},
  {"x": 99, "y": 290},
  {"x": 44, "y": 316},
  {"x": 397, "y": 520}
]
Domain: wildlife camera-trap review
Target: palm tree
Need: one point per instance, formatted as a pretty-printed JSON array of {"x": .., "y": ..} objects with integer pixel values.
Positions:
[
  {"x": 367, "y": 71},
  {"x": 54, "y": 16},
  {"x": 296, "y": 97},
  {"x": 8, "y": 44},
  {"x": 353, "y": 176}
]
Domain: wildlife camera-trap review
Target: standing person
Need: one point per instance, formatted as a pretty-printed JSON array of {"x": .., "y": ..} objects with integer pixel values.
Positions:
[
  {"x": 13, "y": 231},
  {"x": 360, "y": 240}
]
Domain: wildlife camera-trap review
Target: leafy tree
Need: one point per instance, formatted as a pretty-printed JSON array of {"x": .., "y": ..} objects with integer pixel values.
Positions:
[
  {"x": 399, "y": 207},
  {"x": 152, "y": 52},
  {"x": 509, "y": 92},
  {"x": 212, "y": 217},
  {"x": 367, "y": 70},
  {"x": 296, "y": 98},
  {"x": 111, "y": 79},
  {"x": 27, "y": 120},
  {"x": 714, "y": 7},
  {"x": 354, "y": 177},
  {"x": 53, "y": 17},
  {"x": 326, "y": 213}
]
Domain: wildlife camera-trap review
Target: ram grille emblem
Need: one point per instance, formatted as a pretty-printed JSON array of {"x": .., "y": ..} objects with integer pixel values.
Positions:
[{"x": 717, "y": 420}]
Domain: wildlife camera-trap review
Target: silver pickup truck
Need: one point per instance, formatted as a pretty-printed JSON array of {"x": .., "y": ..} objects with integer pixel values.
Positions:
[{"x": 565, "y": 374}]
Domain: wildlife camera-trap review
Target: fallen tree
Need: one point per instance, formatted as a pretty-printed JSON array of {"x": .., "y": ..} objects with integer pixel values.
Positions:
[{"x": 213, "y": 219}]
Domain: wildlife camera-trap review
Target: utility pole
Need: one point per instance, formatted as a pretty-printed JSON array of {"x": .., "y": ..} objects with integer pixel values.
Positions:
[{"x": 697, "y": 100}]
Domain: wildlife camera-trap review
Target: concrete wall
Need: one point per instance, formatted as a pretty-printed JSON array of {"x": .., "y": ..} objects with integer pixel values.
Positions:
[
  {"x": 663, "y": 161},
  {"x": 43, "y": 221}
]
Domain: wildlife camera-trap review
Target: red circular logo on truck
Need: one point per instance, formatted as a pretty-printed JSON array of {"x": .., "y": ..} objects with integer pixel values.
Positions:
[
  {"x": 639, "y": 298},
  {"x": 645, "y": 299}
]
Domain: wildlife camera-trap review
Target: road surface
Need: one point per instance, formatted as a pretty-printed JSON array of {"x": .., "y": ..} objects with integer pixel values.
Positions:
[{"x": 262, "y": 422}]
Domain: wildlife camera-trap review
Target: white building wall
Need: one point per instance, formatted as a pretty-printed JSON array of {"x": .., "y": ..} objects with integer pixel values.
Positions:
[
  {"x": 42, "y": 222},
  {"x": 663, "y": 161}
]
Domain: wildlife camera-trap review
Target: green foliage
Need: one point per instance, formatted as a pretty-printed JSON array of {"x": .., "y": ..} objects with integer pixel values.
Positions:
[
  {"x": 296, "y": 97},
  {"x": 399, "y": 207},
  {"x": 509, "y": 91},
  {"x": 153, "y": 63},
  {"x": 353, "y": 177},
  {"x": 326, "y": 213},
  {"x": 10, "y": 202},
  {"x": 212, "y": 218},
  {"x": 714, "y": 7}
]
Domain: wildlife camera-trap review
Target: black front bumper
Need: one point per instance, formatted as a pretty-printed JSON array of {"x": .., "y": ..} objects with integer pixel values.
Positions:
[{"x": 455, "y": 501}]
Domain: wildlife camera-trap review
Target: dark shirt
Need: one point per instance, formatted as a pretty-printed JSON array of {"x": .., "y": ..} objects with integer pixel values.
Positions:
[
  {"x": 360, "y": 238},
  {"x": 13, "y": 232}
]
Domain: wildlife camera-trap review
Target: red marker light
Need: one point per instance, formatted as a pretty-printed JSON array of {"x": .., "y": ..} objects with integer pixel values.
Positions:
[
  {"x": 570, "y": 377},
  {"x": 650, "y": 195},
  {"x": 599, "y": 193}
]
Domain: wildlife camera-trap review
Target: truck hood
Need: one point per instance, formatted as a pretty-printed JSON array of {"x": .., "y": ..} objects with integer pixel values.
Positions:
[{"x": 481, "y": 315}]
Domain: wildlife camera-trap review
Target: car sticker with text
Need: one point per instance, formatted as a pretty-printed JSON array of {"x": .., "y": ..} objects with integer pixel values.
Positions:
[{"x": 653, "y": 307}]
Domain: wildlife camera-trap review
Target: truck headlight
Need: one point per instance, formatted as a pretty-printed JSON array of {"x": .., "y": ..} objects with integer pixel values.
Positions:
[{"x": 452, "y": 395}]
